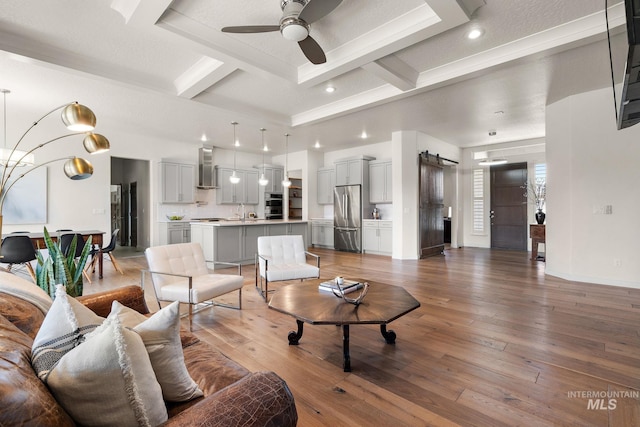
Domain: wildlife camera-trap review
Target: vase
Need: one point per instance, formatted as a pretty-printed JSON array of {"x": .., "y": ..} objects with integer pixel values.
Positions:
[{"x": 540, "y": 216}]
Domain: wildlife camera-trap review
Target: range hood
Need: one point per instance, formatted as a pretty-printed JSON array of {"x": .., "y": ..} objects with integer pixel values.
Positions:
[{"x": 206, "y": 171}]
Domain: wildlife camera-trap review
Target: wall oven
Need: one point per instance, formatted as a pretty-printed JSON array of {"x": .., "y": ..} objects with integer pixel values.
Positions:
[{"x": 273, "y": 206}]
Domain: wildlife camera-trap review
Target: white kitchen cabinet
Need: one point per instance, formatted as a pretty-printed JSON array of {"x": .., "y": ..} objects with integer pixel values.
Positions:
[
  {"x": 352, "y": 171},
  {"x": 246, "y": 191},
  {"x": 237, "y": 243},
  {"x": 275, "y": 175},
  {"x": 289, "y": 229},
  {"x": 204, "y": 235},
  {"x": 174, "y": 232},
  {"x": 177, "y": 182},
  {"x": 377, "y": 237},
  {"x": 326, "y": 182},
  {"x": 322, "y": 233},
  {"x": 228, "y": 246},
  {"x": 380, "y": 188},
  {"x": 251, "y": 190}
]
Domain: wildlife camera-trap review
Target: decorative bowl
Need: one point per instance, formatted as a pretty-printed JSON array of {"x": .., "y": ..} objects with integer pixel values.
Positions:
[{"x": 174, "y": 217}]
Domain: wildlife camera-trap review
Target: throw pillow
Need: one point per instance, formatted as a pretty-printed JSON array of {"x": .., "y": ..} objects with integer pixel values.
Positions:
[
  {"x": 161, "y": 336},
  {"x": 108, "y": 380},
  {"x": 63, "y": 328}
]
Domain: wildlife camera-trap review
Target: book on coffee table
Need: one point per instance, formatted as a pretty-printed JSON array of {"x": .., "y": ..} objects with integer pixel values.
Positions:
[{"x": 348, "y": 286}]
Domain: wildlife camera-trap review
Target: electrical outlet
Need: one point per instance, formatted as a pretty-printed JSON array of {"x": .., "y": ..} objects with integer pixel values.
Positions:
[
  {"x": 617, "y": 262},
  {"x": 608, "y": 209}
]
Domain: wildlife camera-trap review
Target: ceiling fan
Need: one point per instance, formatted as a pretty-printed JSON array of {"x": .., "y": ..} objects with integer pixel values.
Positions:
[{"x": 294, "y": 25}]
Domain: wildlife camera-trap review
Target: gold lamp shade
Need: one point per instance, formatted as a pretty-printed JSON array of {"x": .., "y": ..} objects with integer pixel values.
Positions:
[
  {"x": 95, "y": 143},
  {"x": 77, "y": 168},
  {"x": 78, "y": 118}
]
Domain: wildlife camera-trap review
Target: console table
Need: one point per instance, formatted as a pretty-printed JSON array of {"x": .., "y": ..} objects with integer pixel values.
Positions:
[{"x": 537, "y": 233}]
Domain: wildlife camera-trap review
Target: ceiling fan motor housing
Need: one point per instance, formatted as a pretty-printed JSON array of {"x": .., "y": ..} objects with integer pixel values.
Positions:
[
  {"x": 291, "y": 27},
  {"x": 284, "y": 3}
]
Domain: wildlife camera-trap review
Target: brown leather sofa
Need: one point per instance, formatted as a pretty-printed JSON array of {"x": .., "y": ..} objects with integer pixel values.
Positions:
[{"x": 233, "y": 396}]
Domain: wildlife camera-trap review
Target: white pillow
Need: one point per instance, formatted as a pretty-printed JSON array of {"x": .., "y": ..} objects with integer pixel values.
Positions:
[
  {"x": 108, "y": 380},
  {"x": 161, "y": 336},
  {"x": 63, "y": 328}
]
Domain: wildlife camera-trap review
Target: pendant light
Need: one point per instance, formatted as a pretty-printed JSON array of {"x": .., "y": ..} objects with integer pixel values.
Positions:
[
  {"x": 263, "y": 181},
  {"x": 234, "y": 179},
  {"x": 286, "y": 182}
]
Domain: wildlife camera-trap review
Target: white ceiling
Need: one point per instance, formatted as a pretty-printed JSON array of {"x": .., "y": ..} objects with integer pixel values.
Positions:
[{"x": 395, "y": 64}]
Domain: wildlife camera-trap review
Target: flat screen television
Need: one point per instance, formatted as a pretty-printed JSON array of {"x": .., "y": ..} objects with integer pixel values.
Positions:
[{"x": 629, "y": 111}]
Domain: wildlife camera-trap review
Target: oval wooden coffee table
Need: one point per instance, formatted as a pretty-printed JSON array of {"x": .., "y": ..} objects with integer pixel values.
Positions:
[{"x": 382, "y": 305}]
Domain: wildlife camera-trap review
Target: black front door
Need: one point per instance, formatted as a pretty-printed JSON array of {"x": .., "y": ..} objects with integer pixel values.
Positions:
[{"x": 509, "y": 206}]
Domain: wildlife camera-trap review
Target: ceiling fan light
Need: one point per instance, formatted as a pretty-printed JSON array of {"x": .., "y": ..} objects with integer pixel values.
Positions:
[
  {"x": 294, "y": 32},
  {"x": 78, "y": 118}
]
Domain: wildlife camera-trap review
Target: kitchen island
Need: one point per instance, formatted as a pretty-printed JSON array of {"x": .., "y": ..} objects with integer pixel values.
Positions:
[{"x": 237, "y": 241}]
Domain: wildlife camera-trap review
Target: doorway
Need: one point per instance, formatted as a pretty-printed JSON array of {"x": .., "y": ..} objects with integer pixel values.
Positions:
[
  {"x": 133, "y": 179},
  {"x": 509, "y": 206}
]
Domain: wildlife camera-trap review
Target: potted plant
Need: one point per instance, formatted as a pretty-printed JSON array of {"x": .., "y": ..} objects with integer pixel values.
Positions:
[
  {"x": 61, "y": 269},
  {"x": 538, "y": 191}
]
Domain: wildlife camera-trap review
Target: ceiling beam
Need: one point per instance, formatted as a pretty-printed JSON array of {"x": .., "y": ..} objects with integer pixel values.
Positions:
[
  {"x": 433, "y": 18},
  {"x": 139, "y": 12},
  {"x": 215, "y": 43},
  {"x": 394, "y": 71},
  {"x": 556, "y": 39},
  {"x": 201, "y": 76},
  {"x": 470, "y": 6}
]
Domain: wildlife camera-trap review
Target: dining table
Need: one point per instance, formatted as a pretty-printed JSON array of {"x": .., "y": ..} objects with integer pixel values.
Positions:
[{"x": 37, "y": 238}]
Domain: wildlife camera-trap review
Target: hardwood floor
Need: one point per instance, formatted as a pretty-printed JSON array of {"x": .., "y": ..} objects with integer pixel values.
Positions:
[{"x": 494, "y": 343}]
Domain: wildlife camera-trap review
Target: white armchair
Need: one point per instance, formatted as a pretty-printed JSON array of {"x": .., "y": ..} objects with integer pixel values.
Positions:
[
  {"x": 282, "y": 258},
  {"x": 179, "y": 273}
]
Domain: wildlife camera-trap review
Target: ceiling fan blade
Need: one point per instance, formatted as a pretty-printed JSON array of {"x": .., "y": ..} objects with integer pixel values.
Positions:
[
  {"x": 312, "y": 51},
  {"x": 317, "y": 9},
  {"x": 251, "y": 29}
]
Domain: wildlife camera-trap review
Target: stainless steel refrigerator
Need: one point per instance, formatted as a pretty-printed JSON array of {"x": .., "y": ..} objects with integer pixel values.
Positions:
[{"x": 348, "y": 211}]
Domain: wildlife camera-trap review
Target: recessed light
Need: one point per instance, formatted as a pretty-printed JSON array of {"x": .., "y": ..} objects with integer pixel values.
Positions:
[
  {"x": 364, "y": 135},
  {"x": 330, "y": 89},
  {"x": 317, "y": 144},
  {"x": 475, "y": 33},
  {"x": 204, "y": 138}
]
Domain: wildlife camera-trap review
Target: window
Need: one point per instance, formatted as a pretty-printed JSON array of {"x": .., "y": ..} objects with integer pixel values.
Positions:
[
  {"x": 478, "y": 201},
  {"x": 540, "y": 174}
]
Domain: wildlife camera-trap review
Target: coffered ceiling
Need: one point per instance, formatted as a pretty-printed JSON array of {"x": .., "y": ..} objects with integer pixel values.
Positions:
[{"x": 394, "y": 64}]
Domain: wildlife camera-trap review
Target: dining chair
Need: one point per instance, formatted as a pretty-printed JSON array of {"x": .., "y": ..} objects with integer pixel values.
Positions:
[
  {"x": 18, "y": 250},
  {"x": 65, "y": 245},
  {"x": 107, "y": 250}
]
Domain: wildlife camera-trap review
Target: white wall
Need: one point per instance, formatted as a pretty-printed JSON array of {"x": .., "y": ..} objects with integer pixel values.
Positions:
[{"x": 591, "y": 164}]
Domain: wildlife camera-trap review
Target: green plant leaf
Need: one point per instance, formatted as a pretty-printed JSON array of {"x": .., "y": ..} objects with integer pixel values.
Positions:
[{"x": 58, "y": 268}]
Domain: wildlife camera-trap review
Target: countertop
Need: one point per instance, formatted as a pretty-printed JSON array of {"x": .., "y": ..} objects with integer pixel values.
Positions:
[{"x": 230, "y": 223}]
